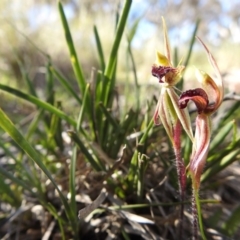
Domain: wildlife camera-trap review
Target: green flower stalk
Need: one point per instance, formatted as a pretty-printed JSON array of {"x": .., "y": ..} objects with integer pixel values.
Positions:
[
  {"x": 200, "y": 96},
  {"x": 168, "y": 112}
]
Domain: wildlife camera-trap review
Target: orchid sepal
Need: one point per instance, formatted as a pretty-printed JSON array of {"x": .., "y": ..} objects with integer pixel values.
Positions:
[
  {"x": 162, "y": 60},
  {"x": 212, "y": 90},
  {"x": 218, "y": 80},
  {"x": 182, "y": 114},
  {"x": 202, "y": 142}
]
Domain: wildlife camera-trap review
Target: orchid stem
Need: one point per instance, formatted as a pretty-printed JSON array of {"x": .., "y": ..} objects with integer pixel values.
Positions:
[
  {"x": 180, "y": 172},
  {"x": 197, "y": 216}
]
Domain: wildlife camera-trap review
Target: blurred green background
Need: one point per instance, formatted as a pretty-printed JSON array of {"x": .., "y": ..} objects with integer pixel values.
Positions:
[{"x": 38, "y": 22}]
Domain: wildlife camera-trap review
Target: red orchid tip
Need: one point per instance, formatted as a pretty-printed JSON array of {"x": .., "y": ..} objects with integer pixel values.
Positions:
[{"x": 197, "y": 95}]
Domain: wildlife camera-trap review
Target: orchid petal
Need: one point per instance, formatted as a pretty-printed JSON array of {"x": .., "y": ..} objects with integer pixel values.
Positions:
[
  {"x": 199, "y": 156},
  {"x": 167, "y": 114},
  {"x": 198, "y": 96},
  {"x": 218, "y": 81},
  {"x": 166, "y": 41},
  {"x": 182, "y": 114},
  {"x": 211, "y": 87},
  {"x": 162, "y": 60}
]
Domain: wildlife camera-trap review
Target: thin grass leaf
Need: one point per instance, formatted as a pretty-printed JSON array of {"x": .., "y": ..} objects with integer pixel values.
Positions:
[
  {"x": 134, "y": 69},
  {"x": 7, "y": 126},
  {"x": 72, "y": 177},
  {"x": 133, "y": 29},
  {"x": 233, "y": 223},
  {"x": 57, "y": 216},
  {"x": 66, "y": 84},
  {"x": 230, "y": 114},
  {"x": 110, "y": 119},
  {"x": 96, "y": 165},
  {"x": 73, "y": 55},
  {"x": 25, "y": 76},
  {"x": 99, "y": 48},
  {"x": 55, "y": 130},
  {"x": 39, "y": 103},
  {"x": 192, "y": 41},
  {"x": 222, "y": 163},
  {"x": 50, "y": 86},
  {"x": 16, "y": 180},
  {"x": 133, "y": 178},
  {"x": 109, "y": 70},
  {"x": 10, "y": 195},
  {"x": 7, "y": 152},
  {"x": 33, "y": 127},
  {"x": 221, "y": 135},
  {"x": 122, "y": 131}
]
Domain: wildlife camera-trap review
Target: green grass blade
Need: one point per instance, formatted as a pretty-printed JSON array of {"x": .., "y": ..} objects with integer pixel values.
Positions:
[
  {"x": 192, "y": 41},
  {"x": 7, "y": 126},
  {"x": 14, "y": 179},
  {"x": 66, "y": 84},
  {"x": 130, "y": 37},
  {"x": 110, "y": 119},
  {"x": 221, "y": 135},
  {"x": 8, "y": 194},
  {"x": 94, "y": 163},
  {"x": 33, "y": 127},
  {"x": 50, "y": 86},
  {"x": 7, "y": 151},
  {"x": 222, "y": 163},
  {"x": 25, "y": 76},
  {"x": 133, "y": 177},
  {"x": 72, "y": 177},
  {"x": 55, "y": 130},
  {"x": 39, "y": 103},
  {"x": 99, "y": 48},
  {"x": 109, "y": 71},
  {"x": 73, "y": 55},
  {"x": 230, "y": 114},
  {"x": 233, "y": 223}
]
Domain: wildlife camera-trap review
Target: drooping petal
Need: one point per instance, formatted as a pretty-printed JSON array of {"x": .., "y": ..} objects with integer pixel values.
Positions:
[
  {"x": 182, "y": 114},
  {"x": 218, "y": 80},
  {"x": 198, "y": 96},
  {"x": 202, "y": 141},
  {"x": 166, "y": 113}
]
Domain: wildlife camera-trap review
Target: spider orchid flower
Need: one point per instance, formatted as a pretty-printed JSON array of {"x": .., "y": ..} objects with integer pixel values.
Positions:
[
  {"x": 167, "y": 111},
  {"x": 207, "y": 101},
  {"x": 169, "y": 114}
]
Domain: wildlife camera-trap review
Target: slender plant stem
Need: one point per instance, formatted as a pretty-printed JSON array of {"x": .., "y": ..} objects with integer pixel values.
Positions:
[
  {"x": 197, "y": 215},
  {"x": 180, "y": 172}
]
